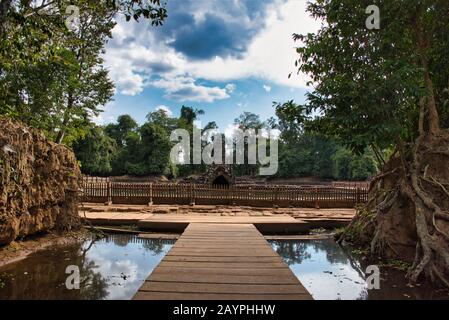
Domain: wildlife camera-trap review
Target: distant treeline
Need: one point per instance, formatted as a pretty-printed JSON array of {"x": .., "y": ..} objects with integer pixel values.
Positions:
[{"x": 125, "y": 148}]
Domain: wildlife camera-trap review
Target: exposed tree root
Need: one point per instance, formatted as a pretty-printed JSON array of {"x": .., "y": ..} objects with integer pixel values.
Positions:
[
  {"x": 407, "y": 214},
  {"x": 436, "y": 182}
]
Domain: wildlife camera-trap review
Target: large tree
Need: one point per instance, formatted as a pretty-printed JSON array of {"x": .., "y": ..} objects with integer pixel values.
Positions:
[
  {"x": 96, "y": 152},
  {"x": 120, "y": 130},
  {"x": 52, "y": 74},
  {"x": 304, "y": 152},
  {"x": 388, "y": 88},
  {"x": 135, "y": 9}
]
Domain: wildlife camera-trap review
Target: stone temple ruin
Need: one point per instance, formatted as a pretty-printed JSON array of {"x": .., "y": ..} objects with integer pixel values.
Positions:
[{"x": 219, "y": 175}]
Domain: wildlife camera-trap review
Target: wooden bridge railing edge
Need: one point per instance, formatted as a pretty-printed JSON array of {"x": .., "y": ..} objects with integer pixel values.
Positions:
[{"x": 106, "y": 191}]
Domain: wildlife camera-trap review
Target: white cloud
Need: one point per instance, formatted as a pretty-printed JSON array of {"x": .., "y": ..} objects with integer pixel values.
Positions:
[
  {"x": 166, "y": 109},
  {"x": 134, "y": 57},
  {"x": 185, "y": 89},
  {"x": 266, "y": 88},
  {"x": 130, "y": 84},
  {"x": 124, "y": 72},
  {"x": 271, "y": 54}
]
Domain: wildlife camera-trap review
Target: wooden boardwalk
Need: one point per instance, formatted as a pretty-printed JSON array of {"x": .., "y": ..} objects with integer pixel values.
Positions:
[
  {"x": 222, "y": 262},
  {"x": 266, "y": 225},
  {"x": 176, "y": 218}
]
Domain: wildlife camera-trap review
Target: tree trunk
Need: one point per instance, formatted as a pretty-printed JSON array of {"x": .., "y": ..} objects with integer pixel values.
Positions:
[
  {"x": 422, "y": 115},
  {"x": 4, "y": 8},
  {"x": 422, "y": 46},
  {"x": 65, "y": 121}
]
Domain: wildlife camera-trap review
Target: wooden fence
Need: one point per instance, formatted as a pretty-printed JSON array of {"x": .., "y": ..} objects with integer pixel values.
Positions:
[
  {"x": 103, "y": 191},
  {"x": 351, "y": 184}
]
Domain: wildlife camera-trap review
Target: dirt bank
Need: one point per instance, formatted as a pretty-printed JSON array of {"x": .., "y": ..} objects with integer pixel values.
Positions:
[{"x": 38, "y": 183}]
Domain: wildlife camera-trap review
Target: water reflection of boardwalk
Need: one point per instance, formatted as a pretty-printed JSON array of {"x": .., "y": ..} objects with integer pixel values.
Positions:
[{"x": 224, "y": 262}]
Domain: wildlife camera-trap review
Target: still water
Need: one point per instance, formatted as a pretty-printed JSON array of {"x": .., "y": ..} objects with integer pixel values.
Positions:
[
  {"x": 116, "y": 266},
  {"x": 111, "y": 268},
  {"x": 330, "y": 272}
]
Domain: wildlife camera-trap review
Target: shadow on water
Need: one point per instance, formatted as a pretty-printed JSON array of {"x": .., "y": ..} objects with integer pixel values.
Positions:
[
  {"x": 110, "y": 268},
  {"x": 328, "y": 272}
]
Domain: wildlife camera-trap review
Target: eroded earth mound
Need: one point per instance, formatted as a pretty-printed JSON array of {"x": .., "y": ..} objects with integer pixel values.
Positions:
[{"x": 38, "y": 183}]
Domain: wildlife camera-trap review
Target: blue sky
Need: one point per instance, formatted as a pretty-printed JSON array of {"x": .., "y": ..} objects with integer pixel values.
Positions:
[{"x": 222, "y": 56}]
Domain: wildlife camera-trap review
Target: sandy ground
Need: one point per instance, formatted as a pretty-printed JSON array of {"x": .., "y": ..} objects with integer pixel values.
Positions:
[{"x": 117, "y": 211}]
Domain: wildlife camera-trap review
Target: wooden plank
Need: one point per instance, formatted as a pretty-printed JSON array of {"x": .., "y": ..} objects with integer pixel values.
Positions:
[
  {"x": 203, "y": 265},
  {"x": 229, "y": 288},
  {"x": 270, "y": 224},
  {"x": 250, "y": 237},
  {"x": 220, "y": 219},
  {"x": 220, "y": 272},
  {"x": 194, "y": 245},
  {"x": 221, "y": 234},
  {"x": 227, "y": 242},
  {"x": 229, "y": 279},
  {"x": 222, "y": 253},
  {"x": 244, "y": 265},
  {"x": 143, "y": 295},
  {"x": 255, "y": 259}
]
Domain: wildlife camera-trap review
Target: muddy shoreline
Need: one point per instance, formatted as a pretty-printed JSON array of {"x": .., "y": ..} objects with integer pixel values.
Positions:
[{"x": 21, "y": 249}]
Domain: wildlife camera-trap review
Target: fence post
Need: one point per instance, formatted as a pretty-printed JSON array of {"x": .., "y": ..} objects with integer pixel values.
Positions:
[
  {"x": 357, "y": 196},
  {"x": 276, "y": 196},
  {"x": 150, "y": 203},
  {"x": 192, "y": 193},
  {"x": 317, "y": 205},
  {"x": 109, "y": 192}
]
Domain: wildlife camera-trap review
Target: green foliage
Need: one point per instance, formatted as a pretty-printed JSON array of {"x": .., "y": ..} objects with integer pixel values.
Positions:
[
  {"x": 248, "y": 120},
  {"x": 303, "y": 152},
  {"x": 368, "y": 94},
  {"x": 189, "y": 115},
  {"x": 119, "y": 132},
  {"x": 348, "y": 166},
  {"x": 96, "y": 152},
  {"x": 358, "y": 230},
  {"x": 53, "y": 78},
  {"x": 126, "y": 148}
]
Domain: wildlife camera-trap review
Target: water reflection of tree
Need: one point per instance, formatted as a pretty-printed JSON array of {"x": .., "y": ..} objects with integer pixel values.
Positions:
[
  {"x": 156, "y": 246},
  {"x": 292, "y": 251},
  {"x": 297, "y": 251},
  {"x": 334, "y": 254},
  {"x": 93, "y": 286},
  {"x": 42, "y": 276},
  {"x": 353, "y": 261},
  {"x": 120, "y": 240}
]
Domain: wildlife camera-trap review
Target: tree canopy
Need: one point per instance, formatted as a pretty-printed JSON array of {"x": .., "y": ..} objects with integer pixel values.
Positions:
[
  {"x": 374, "y": 90},
  {"x": 125, "y": 147},
  {"x": 387, "y": 88},
  {"x": 51, "y": 71}
]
